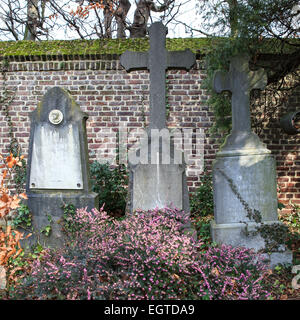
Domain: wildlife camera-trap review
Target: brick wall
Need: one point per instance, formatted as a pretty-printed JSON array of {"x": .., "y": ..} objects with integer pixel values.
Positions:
[{"x": 112, "y": 97}]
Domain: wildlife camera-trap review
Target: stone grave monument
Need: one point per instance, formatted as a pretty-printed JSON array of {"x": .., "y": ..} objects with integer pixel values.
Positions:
[
  {"x": 157, "y": 169},
  {"x": 244, "y": 172},
  {"x": 58, "y": 168}
]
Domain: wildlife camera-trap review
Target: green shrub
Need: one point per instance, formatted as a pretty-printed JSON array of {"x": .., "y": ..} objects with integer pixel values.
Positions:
[
  {"x": 201, "y": 201},
  {"x": 111, "y": 185},
  {"x": 22, "y": 218}
]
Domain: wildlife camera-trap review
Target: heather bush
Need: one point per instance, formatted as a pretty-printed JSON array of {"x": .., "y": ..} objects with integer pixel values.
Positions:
[{"x": 146, "y": 255}]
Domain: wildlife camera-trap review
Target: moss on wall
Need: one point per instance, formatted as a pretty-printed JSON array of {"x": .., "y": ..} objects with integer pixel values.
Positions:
[
  {"x": 86, "y": 47},
  {"x": 32, "y": 50}
]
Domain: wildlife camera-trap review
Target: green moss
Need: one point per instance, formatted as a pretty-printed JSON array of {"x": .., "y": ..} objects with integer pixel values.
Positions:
[
  {"x": 85, "y": 47},
  {"x": 108, "y": 46}
]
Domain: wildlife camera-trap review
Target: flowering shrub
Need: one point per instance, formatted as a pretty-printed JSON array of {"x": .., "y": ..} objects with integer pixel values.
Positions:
[
  {"x": 144, "y": 256},
  {"x": 9, "y": 238}
]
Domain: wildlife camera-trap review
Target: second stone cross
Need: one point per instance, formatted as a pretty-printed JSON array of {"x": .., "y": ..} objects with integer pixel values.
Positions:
[{"x": 157, "y": 178}]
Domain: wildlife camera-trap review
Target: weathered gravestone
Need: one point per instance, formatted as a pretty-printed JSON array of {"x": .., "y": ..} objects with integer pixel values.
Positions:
[
  {"x": 244, "y": 173},
  {"x": 58, "y": 168},
  {"x": 157, "y": 169}
]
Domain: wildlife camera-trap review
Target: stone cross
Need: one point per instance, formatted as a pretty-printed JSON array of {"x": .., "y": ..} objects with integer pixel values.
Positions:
[
  {"x": 157, "y": 60},
  {"x": 244, "y": 171},
  {"x": 240, "y": 81}
]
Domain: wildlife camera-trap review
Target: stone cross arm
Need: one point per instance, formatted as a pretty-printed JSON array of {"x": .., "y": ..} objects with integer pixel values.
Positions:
[
  {"x": 132, "y": 60},
  {"x": 180, "y": 59},
  {"x": 239, "y": 77},
  {"x": 240, "y": 81}
]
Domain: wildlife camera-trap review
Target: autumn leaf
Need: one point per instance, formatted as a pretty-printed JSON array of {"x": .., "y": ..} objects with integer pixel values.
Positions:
[
  {"x": 17, "y": 253},
  {"x": 215, "y": 272},
  {"x": 8, "y": 230},
  {"x": 176, "y": 276},
  {"x": 15, "y": 203},
  {"x": 23, "y": 195},
  {"x": 10, "y": 160},
  {"x": 4, "y": 198}
]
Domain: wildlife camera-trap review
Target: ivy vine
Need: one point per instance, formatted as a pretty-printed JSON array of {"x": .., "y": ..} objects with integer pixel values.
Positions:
[
  {"x": 273, "y": 234},
  {"x": 6, "y": 99}
]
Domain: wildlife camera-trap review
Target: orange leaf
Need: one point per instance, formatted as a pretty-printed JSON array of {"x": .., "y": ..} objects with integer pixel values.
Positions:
[
  {"x": 18, "y": 252},
  {"x": 10, "y": 253},
  {"x": 23, "y": 195},
  {"x": 215, "y": 272},
  {"x": 8, "y": 230},
  {"x": 4, "y": 198},
  {"x": 15, "y": 204},
  {"x": 4, "y": 174},
  {"x": 10, "y": 161}
]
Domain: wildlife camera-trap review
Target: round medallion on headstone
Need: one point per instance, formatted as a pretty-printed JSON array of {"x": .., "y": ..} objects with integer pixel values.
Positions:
[{"x": 56, "y": 116}]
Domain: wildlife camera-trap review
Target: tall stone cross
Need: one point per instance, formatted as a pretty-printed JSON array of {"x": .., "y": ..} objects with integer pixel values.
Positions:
[
  {"x": 240, "y": 81},
  {"x": 157, "y": 60}
]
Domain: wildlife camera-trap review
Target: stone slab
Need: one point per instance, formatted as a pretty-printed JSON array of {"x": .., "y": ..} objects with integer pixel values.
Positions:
[
  {"x": 255, "y": 179},
  {"x": 157, "y": 186},
  {"x": 157, "y": 174},
  {"x": 56, "y": 160}
]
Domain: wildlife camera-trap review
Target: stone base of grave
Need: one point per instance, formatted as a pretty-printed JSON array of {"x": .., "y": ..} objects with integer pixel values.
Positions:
[
  {"x": 243, "y": 235},
  {"x": 240, "y": 180},
  {"x": 158, "y": 185},
  {"x": 50, "y": 205},
  {"x": 244, "y": 180}
]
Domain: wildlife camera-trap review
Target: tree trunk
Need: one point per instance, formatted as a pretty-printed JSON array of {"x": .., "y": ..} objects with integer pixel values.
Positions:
[
  {"x": 121, "y": 14},
  {"x": 32, "y": 20},
  {"x": 138, "y": 28},
  {"x": 107, "y": 21}
]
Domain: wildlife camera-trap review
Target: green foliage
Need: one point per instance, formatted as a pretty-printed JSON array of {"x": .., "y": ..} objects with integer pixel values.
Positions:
[
  {"x": 201, "y": 201},
  {"x": 274, "y": 235},
  {"x": 252, "y": 27},
  {"x": 22, "y": 218},
  {"x": 69, "y": 224},
  {"x": 36, "y": 250},
  {"x": 218, "y": 58},
  {"x": 111, "y": 185},
  {"x": 294, "y": 218},
  {"x": 48, "y": 228},
  {"x": 20, "y": 176},
  {"x": 202, "y": 226}
]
